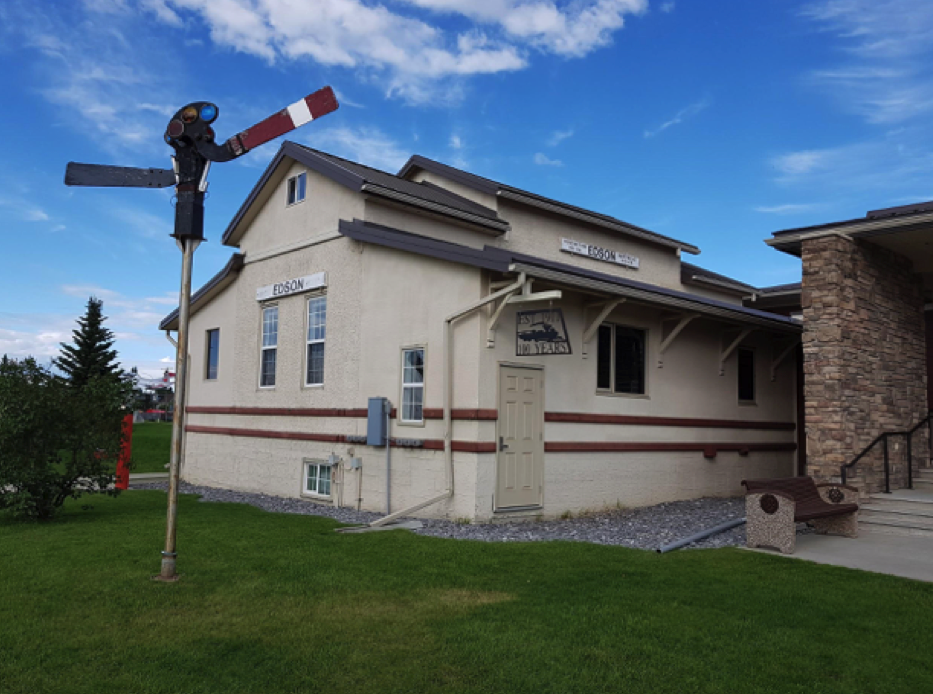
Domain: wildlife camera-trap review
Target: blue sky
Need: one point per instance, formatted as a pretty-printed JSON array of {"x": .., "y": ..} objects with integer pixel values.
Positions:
[{"x": 713, "y": 122}]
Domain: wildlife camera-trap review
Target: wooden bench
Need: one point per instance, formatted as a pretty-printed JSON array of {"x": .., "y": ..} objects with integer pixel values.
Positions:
[{"x": 774, "y": 507}]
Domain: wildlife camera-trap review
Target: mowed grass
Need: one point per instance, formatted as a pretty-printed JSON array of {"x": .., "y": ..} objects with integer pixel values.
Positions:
[
  {"x": 275, "y": 603},
  {"x": 152, "y": 446}
]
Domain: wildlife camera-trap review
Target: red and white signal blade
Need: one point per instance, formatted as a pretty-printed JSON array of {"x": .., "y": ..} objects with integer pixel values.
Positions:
[{"x": 299, "y": 113}]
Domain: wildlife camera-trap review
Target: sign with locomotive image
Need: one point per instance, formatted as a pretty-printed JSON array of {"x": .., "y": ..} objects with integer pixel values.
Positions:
[{"x": 541, "y": 332}]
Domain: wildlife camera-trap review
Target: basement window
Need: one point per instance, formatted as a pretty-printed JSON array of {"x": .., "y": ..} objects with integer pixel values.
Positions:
[
  {"x": 620, "y": 361},
  {"x": 296, "y": 188},
  {"x": 746, "y": 375},
  {"x": 317, "y": 478}
]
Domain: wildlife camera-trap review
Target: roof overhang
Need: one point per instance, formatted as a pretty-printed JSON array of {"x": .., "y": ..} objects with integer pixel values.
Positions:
[
  {"x": 289, "y": 151},
  {"x": 504, "y": 261},
  {"x": 215, "y": 285},
  {"x": 485, "y": 185},
  {"x": 909, "y": 236}
]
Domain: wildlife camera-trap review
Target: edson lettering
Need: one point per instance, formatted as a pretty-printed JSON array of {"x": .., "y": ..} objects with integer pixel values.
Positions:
[{"x": 288, "y": 287}]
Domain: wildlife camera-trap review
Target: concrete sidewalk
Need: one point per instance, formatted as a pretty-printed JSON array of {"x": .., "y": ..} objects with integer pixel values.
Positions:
[{"x": 897, "y": 555}]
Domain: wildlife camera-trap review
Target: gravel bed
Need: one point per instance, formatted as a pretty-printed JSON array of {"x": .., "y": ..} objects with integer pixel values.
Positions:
[{"x": 642, "y": 528}]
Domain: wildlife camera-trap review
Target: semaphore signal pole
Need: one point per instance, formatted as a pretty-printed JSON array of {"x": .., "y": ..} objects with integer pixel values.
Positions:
[{"x": 190, "y": 135}]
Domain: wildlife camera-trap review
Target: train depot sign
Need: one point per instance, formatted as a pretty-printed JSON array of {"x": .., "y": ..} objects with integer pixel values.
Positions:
[
  {"x": 295, "y": 286},
  {"x": 598, "y": 253},
  {"x": 541, "y": 332}
]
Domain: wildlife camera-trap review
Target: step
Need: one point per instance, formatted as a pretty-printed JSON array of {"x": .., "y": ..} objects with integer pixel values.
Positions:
[
  {"x": 900, "y": 508},
  {"x": 897, "y": 524},
  {"x": 923, "y": 484}
]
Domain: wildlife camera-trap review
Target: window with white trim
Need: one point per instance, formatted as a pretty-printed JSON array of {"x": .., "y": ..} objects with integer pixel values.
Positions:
[
  {"x": 317, "y": 328},
  {"x": 269, "y": 349},
  {"x": 213, "y": 354},
  {"x": 317, "y": 478},
  {"x": 296, "y": 188},
  {"x": 620, "y": 361},
  {"x": 746, "y": 377},
  {"x": 412, "y": 409}
]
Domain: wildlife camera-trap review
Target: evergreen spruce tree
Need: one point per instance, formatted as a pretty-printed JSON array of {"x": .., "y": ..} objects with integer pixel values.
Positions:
[{"x": 91, "y": 354}]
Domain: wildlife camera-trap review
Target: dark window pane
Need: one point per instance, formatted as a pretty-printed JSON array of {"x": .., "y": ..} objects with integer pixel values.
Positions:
[
  {"x": 746, "y": 375},
  {"x": 604, "y": 358},
  {"x": 213, "y": 353},
  {"x": 267, "y": 377},
  {"x": 630, "y": 360},
  {"x": 316, "y": 363},
  {"x": 291, "y": 190}
]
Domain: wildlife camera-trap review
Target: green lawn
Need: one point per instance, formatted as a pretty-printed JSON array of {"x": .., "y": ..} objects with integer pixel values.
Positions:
[
  {"x": 276, "y": 603},
  {"x": 152, "y": 446}
]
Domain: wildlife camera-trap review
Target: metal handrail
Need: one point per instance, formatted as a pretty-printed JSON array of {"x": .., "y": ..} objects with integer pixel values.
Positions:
[{"x": 883, "y": 437}]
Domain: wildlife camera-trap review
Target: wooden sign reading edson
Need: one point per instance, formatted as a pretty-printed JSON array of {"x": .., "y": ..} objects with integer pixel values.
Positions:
[
  {"x": 541, "y": 332},
  {"x": 295, "y": 286}
]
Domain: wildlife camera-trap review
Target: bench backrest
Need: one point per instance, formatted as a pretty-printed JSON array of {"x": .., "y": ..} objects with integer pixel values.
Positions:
[{"x": 799, "y": 488}]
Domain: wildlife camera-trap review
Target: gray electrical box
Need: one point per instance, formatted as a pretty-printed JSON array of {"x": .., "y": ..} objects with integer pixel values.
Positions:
[{"x": 376, "y": 421}]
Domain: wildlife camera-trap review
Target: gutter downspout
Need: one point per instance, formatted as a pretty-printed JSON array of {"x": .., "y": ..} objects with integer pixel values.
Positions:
[
  {"x": 505, "y": 293},
  {"x": 184, "y": 415}
]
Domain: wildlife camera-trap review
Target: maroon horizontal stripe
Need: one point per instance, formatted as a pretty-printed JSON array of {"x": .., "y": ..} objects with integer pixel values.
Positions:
[
  {"x": 279, "y": 411},
  {"x": 429, "y": 413},
  {"x": 645, "y": 446},
  {"x": 429, "y": 444},
  {"x": 587, "y": 418}
]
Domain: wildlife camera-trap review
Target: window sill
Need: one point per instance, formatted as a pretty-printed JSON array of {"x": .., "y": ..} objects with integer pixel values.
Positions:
[
  {"x": 748, "y": 403},
  {"x": 313, "y": 386},
  {"x": 292, "y": 204},
  {"x": 628, "y": 396},
  {"x": 404, "y": 423},
  {"x": 318, "y": 498}
]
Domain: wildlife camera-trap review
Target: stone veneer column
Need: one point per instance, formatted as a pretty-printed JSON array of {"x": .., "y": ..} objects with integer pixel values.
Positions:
[{"x": 864, "y": 357}]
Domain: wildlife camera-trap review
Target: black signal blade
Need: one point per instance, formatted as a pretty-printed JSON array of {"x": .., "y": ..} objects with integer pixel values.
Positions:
[{"x": 117, "y": 176}]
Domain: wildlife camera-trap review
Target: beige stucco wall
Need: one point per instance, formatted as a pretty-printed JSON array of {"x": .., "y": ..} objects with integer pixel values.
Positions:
[
  {"x": 485, "y": 199},
  {"x": 379, "y": 211},
  {"x": 277, "y": 226},
  {"x": 219, "y": 313},
  {"x": 538, "y": 233}
]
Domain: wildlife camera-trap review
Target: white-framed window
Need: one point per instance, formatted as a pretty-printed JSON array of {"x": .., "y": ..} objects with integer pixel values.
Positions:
[
  {"x": 212, "y": 352},
  {"x": 269, "y": 347},
  {"x": 317, "y": 478},
  {"x": 317, "y": 330},
  {"x": 746, "y": 375},
  {"x": 296, "y": 188},
  {"x": 412, "y": 409},
  {"x": 620, "y": 360}
]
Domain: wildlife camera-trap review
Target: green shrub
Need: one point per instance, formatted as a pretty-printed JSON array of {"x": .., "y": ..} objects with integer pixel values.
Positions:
[{"x": 57, "y": 440}]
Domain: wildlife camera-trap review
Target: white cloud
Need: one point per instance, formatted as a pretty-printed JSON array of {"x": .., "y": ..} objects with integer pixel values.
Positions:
[
  {"x": 559, "y": 136},
  {"x": 667, "y": 7},
  {"x": 492, "y": 36},
  {"x": 543, "y": 160},
  {"x": 366, "y": 145},
  {"x": 790, "y": 208},
  {"x": 456, "y": 142},
  {"x": 795, "y": 163},
  {"x": 23, "y": 208},
  {"x": 887, "y": 75},
  {"x": 682, "y": 115},
  {"x": 883, "y": 168}
]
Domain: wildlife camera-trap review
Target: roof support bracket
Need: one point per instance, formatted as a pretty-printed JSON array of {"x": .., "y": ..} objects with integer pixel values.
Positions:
[
  {"x": 726, "y": 353},
  {"x": 667, "y": 341},
  {"x": 494, "y": 319},
  {"x": 607, "y": 308},
  {"x": 778, "y": 358}
]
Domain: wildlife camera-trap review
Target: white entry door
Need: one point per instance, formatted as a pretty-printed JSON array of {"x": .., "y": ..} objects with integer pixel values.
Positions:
[{"x": 520, "y": 461}]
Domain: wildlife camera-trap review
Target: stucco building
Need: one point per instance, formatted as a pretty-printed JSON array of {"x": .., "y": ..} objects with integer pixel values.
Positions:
[{"x": 539, "y": 358}]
